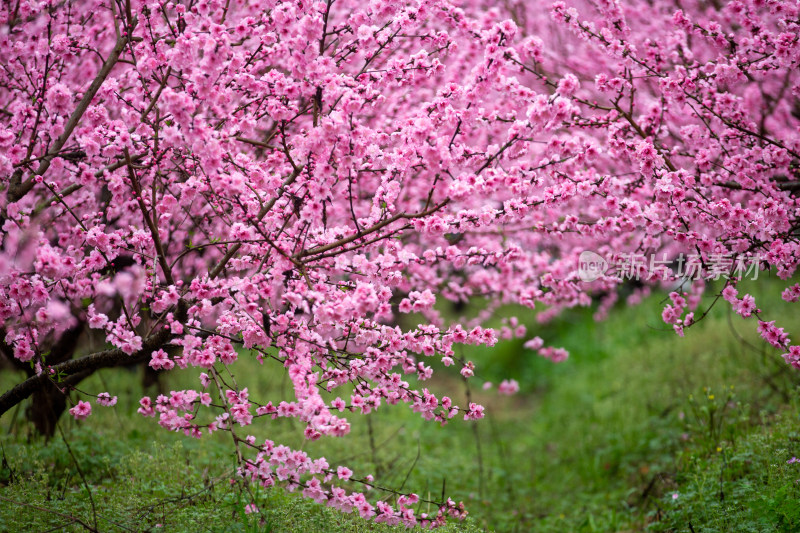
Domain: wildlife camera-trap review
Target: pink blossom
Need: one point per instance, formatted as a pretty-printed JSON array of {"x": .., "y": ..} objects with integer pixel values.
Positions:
[
  {"x": 556, "y": 355},
  {"x": 106, "y": 399},
  {"x": 508, "y": 387},
  {"x": 160, "y": 360},
  {"x": 146, "y": 407},
  {"x": 772, "y": 334},
  {"x": 59, "y": 97},
  {"x": 792, "y": 357},
  {"x": 475, "y": 412},
  {"x": 81, "y": 411},
  {"x": 746, "y": 306},
  {"x": 250, "y": 508},
  {"x": 534, "y": 343}
]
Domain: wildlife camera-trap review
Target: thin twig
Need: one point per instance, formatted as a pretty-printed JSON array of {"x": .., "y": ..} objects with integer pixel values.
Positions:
[
  {"x": 80, "y": 473},
  {"x": 46, "y": 510}
]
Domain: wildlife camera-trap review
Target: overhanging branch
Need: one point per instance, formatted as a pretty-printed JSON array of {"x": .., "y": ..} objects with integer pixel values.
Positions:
[{"x": 89, "y": 363}]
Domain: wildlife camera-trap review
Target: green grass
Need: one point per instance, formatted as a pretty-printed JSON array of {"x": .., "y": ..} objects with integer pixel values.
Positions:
[
  {"x": 745, "y": 486},
  {"x": 601, "y": 442},
  {"x": 143, "y": 485}
]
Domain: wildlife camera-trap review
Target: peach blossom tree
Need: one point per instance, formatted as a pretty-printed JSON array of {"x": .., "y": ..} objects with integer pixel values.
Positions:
[{"x": 198, "y": 182}]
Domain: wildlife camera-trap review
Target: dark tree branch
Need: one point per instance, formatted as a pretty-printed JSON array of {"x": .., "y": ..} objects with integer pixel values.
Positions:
[{"x": 74, "y": 370}]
